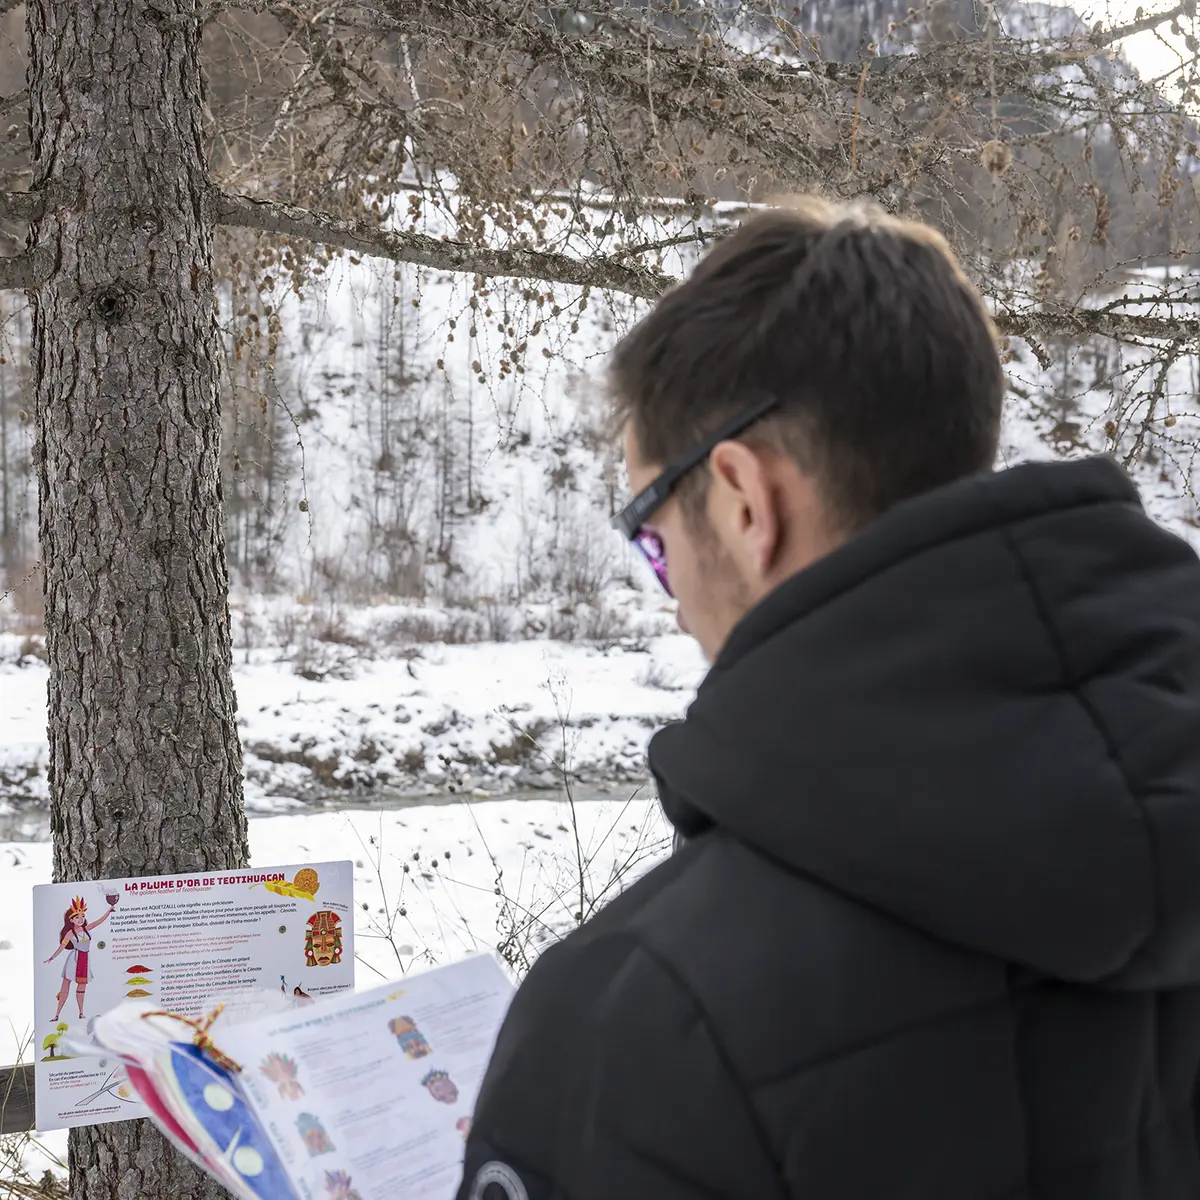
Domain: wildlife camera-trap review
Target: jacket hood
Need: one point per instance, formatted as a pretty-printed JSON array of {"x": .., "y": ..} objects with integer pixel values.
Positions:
[{"x": 981, "y": 716}]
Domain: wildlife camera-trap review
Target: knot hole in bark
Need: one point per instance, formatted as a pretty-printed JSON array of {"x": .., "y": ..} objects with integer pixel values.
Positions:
[
  {"x": 146, "y": 221},
  {"x": 111, "y": 304}
]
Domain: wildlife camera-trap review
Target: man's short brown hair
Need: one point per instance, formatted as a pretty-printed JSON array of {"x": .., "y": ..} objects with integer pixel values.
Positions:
[{"x": 879, "y": 348}]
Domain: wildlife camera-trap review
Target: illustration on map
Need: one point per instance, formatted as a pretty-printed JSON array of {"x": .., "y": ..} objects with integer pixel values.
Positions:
[
  {"x": 304, "y": 887},
  {"x": 441, "y": 1087},
  {"x": 463, "y": 1125},
  {"x": 337, "y": 1185},
  {"x": 115, "y": 1087},
  {"x": 51, "y": 1043},
  {"x": 313, "y": 1135},
  {"x": 411, "y": 1040},
  {"x": 300, "y": 998},
  {"x": 323, "y": 939},
  {"x": 282, "y": 1072},
  {"x": 76, "y": 939},
  {"x": 138, "y": 982}
]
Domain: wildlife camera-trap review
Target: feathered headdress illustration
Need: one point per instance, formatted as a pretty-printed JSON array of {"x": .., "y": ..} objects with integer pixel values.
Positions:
[{"x": 78, "y": 908}]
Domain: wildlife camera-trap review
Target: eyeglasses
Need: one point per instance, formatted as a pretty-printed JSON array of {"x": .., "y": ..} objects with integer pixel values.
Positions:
[{"x": 631, "y": 520}]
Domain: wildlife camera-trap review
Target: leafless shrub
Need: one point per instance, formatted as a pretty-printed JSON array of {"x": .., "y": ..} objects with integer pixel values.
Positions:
[
  {"x": 550, "y": 896},
  {"x": 31, "y": 648},
  {"x": 333, "y": 630},
  {"x": 317, "y": 661},
  {"x": 499, "y": 622},
  {"x": 18, "y": 1150},
  {"x": 656, "y": 675},
  {"x": 524, "y": 744}
]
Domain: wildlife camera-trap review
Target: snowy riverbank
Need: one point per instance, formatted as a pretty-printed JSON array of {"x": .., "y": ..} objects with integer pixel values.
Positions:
[{"x": 346, "y": 711}]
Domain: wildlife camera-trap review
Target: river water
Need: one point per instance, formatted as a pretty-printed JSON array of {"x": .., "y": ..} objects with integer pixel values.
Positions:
[{"x": 33, "y": 824}]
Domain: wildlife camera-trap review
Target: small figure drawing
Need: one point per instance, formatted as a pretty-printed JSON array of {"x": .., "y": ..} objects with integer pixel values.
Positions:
[
  {"x": 337, "y": 1185},
  {"x": 75, "y": 938},
  {"x": 313, "y": 1135},
  {"x": 463, "y": 1125},
  {"x": 323, "y": 939},
  {"x": 441, "y": 1087},
  {"x": 300, "y": 998},
  {"x": 281, "y": 1071},
  {"x": 411, "y": 1040}
]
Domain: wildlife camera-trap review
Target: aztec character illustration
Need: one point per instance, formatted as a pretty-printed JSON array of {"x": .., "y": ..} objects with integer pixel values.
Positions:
[
  {"x": 281, "y": 1071},
  {"x": 313, "y": 1135},
  {"x": 441, "y": 1087},
  {"x": 76, "y": 939},
  {"x": 411, "y": 1040},
  {"x": 337, "y": 1185},
  {"x": 323, "y": 939}
]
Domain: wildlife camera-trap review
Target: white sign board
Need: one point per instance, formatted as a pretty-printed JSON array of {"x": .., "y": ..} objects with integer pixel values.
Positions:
[{"x": 179, "y": 942}]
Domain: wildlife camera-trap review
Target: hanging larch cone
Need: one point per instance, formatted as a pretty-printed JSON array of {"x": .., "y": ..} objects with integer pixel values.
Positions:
[{"x": 996, "y": 157}]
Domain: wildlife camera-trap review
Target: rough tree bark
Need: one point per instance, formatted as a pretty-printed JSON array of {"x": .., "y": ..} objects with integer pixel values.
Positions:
[{"x": 145, "y": 766}]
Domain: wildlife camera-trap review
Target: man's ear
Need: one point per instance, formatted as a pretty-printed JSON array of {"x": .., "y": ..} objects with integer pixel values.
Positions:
[{"x": 744, "y": 508}]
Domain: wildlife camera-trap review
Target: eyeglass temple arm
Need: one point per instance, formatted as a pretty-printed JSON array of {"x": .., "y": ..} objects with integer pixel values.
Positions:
[{"x": 631, "y": 518}]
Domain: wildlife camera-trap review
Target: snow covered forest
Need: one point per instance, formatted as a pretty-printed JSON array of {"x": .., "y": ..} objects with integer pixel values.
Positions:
[{"x": 419, "y": 434}]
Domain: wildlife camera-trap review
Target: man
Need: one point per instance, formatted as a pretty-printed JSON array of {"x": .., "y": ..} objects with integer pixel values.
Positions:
[{"x": 934, "y": 929}]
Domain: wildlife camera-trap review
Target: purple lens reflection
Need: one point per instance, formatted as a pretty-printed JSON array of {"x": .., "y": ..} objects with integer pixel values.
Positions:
[{"x": 655, "y": 553}]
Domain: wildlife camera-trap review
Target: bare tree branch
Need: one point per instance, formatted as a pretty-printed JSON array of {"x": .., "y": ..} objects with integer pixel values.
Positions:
[
  {"x": 601, "y": 271},
  {"x": 21, "y": 206},
  {"x": 1142, "y": 25},
  {"x": 17, "y": 100},
  {"x": 616, "y": 273},
  {"x": 6, "y": 6},
  {"x": 1083, "y": 322},
  {"x": 324, "y": 58},
  {"x": 730, "y": 91}
]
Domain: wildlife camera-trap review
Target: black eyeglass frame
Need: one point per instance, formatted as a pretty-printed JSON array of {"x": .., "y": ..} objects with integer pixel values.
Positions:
[{"x": 658, "y": 491}]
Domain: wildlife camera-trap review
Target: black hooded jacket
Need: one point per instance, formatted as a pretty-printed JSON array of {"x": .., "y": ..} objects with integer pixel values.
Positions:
[{"x": 935, "y": 930}]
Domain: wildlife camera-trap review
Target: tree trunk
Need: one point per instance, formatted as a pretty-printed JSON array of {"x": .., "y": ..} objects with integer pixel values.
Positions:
[{"x": 145, "y": 768}]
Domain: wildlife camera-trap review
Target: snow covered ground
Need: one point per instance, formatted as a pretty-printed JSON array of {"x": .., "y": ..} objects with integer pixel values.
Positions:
[{"x": 432, "y": 883}]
